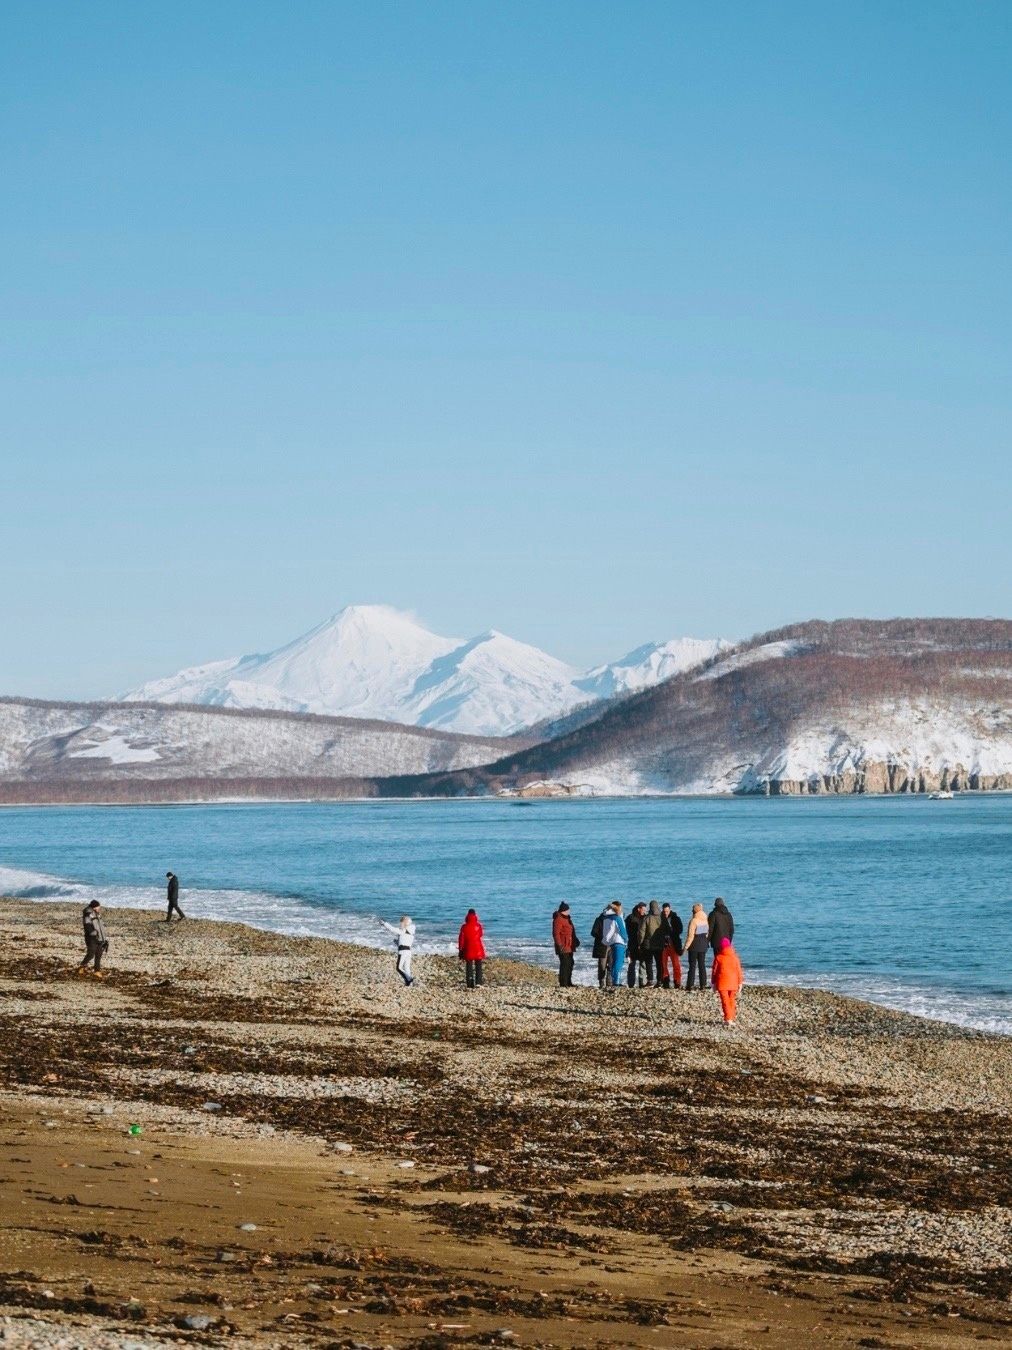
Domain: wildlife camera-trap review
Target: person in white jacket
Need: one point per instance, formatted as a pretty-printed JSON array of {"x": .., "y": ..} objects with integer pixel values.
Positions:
[{"x": 405, "y": 935}]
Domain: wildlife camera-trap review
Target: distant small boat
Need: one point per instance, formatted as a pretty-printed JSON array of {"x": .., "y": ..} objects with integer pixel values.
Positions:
[{"x": 943, "y": 796}]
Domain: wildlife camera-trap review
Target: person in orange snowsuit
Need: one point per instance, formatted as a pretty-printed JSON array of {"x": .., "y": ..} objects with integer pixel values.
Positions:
[{"x": 727, "y": 977}]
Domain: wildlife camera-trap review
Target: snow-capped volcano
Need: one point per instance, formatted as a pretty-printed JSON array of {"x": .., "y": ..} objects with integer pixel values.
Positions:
[{"x": 374, "y": 661}]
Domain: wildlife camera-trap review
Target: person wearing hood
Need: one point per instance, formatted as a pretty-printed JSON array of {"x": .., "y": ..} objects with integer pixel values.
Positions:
[
  {"x": 721, "y": 923},
  {"x": 671, "y": 948},
  {"x": 615, "y": 940},
  {"x": 727, "y": 977},
  {"x": 471, "y": 949},
  {"x": 696, "y": 942},
  {"x": 405, "y": 935},
  {"x": 566, "y": 943},
  {"x": 651, "y": 943},
  {"x": 599, "y": 950},
  {"x": 95, "y": 941},
  {"x": 637, "y": 920}
]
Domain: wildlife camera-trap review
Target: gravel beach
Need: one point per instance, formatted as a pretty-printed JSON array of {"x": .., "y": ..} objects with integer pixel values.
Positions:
[{"x": 326, "y": 1158}]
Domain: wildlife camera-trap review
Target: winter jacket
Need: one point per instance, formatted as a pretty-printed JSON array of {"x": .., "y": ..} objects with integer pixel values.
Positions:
[
  {"x": 635, "y": 930},
  {"x": 696, "y": 937},
  {"x": 405, "y": 935},
  {"x": 94, "y": 928},
  {"x": 671, "y": 932},
  {"x": 721, "y": 924},
  {"x": 613, "y": 931},
  {"x": 726, "y": 972},
  {"x": 597, "y": 933},
  {"x": 564, "y": 934},
  {"x": 173, "y": 891},
  {"x": 651, "y": 930},
  {"x": 470, "y": 946}
]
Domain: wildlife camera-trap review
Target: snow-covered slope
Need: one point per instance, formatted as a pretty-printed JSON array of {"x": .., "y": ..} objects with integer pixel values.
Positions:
[
  {"x": 374, "y": 661},
  {"x": 54, "y": 748},
  {"x": 490, "y": 682},
  {"x": 852, "y": 706},
  {"x": 649, "y": 664}
]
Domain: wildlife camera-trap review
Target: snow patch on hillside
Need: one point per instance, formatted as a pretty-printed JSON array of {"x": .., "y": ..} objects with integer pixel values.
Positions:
[
  {"x": 769, "y": 651},
  {"x": 117, "y": 750}
]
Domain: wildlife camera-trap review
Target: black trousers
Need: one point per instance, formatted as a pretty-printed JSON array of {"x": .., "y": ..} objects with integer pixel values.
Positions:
[
  {"x": 473, "y": 973},
  {"x": 653, "y": 965},
  {"x": 697, "y": 966},
  {"x": 174, "y": 905},
  {"x": 566, "y": 970},
  {"x": 94, "y": 953}
]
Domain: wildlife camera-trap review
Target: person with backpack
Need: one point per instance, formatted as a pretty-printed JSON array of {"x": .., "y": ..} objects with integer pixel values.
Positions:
[
  {"x": 671, "y": 948},
  {"x": 566, "y": 942},
  {"x": 95, "y": 941},
  {"x": 697, "y": 940},
  {"x": 615, "y": 939},
  {"x": 721, "y": 924},
  {"x": 635, "y": 926},
  {"x": 599, "y": 951},
  {"x": 471, "y": 949}
]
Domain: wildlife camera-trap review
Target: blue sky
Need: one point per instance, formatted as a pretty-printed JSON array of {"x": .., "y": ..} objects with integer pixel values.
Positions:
[{"x": 595, "y": 323}]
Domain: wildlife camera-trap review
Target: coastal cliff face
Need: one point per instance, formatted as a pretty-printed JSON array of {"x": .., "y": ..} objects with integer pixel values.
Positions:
[
  {"x": 904, "y": 706},
  {"x": 885, "y": 778}
]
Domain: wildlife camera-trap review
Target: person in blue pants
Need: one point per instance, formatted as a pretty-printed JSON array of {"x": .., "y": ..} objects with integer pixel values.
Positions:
[{"x": 615, "y": 938}]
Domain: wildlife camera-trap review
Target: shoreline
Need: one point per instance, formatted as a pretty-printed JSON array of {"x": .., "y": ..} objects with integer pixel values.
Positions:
[
  {"x": 757, "y": 975},
  {"x": 420, "y": 799},
  {"x": 432, "y": 1167}
]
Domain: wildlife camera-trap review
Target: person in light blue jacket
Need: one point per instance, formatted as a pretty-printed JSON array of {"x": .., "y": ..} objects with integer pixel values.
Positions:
[{"x": 615, "y": 939}]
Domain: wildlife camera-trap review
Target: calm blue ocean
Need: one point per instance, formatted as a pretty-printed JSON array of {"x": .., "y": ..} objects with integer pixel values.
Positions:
[{"x": 904, "y": 901}]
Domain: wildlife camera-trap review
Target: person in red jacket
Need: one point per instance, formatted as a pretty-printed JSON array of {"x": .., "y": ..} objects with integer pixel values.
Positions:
[
  {"x": 471, "y": 949},
  {"x": 566, "y": 943},
  {"x": 727, "y": 977}
]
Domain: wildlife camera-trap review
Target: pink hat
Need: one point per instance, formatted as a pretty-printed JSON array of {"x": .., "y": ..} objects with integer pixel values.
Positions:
[{"x": 724, "y": 944}]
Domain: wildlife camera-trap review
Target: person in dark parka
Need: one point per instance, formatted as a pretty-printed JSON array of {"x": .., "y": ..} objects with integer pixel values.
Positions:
[
  {"x": 671, "y": 947},
  {"x": 95, "y": 941},
  {"x": 721, "y": 924},
  {"x": 652, "y": 943},
  {"x": 635, "y": 925},
  {"x": 566, "y": 942},
  {"x": 173, "y": 894}
]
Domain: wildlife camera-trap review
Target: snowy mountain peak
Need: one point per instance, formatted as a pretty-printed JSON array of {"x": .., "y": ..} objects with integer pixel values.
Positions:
[
  {"x": 373, "y": 661},
  {"x": 648, "y": 665}
]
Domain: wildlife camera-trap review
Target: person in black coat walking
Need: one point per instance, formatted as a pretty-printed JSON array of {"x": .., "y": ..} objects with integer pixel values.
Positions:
[
  {"x": 721, "y": 924},
  {"x": 173, "y": 897}
]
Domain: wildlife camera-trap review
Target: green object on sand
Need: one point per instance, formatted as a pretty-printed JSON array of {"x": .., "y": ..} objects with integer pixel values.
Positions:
[{"x": 136, "y": 1129}]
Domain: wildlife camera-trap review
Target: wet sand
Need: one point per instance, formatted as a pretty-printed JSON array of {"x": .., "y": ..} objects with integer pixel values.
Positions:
[{"x": 520, "y": 1165}]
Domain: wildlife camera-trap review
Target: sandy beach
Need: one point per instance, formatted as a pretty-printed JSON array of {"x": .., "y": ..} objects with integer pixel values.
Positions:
[{"x": 329, "y": 1159}]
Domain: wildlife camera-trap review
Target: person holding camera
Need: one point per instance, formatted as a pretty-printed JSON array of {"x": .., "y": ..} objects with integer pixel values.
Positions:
[{"x": 95, "y": 941}]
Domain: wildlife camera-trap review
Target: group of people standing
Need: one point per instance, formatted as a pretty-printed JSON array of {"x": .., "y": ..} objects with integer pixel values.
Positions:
[{"x": 644, "y": 950}]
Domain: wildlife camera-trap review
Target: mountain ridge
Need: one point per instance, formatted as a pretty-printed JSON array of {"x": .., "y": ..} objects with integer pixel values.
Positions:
[{"x": 375, "y": 661}]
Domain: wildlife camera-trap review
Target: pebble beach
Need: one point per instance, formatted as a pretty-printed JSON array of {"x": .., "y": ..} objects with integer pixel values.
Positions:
[{"x": 322, "y": 1157}]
